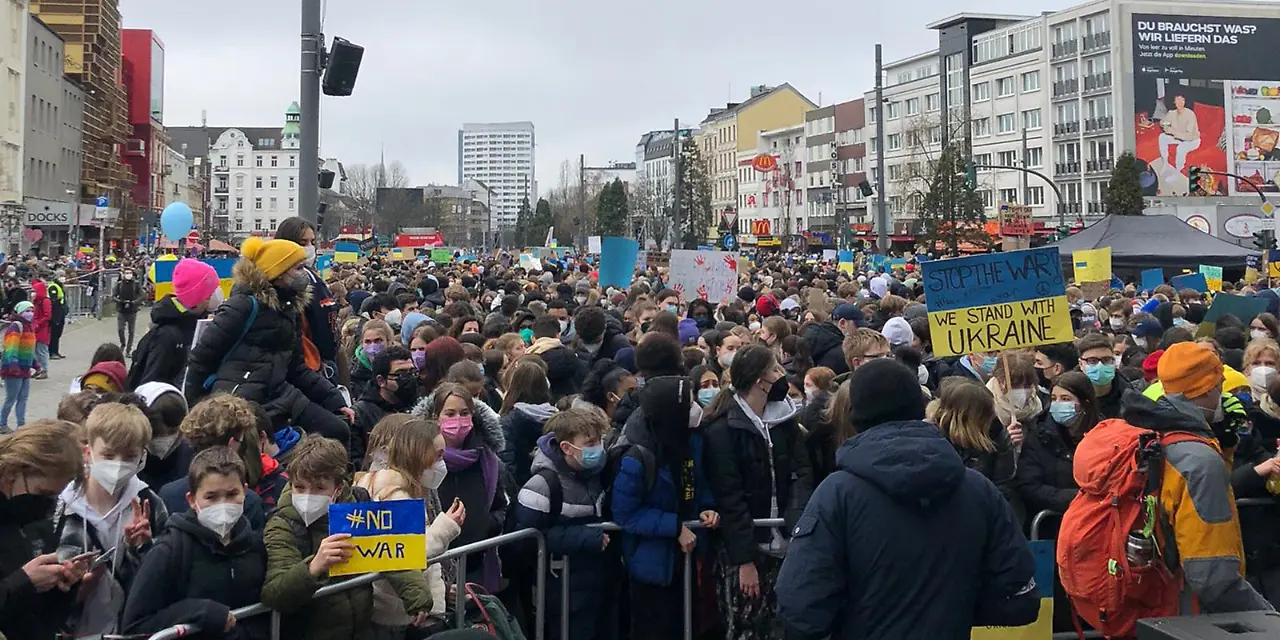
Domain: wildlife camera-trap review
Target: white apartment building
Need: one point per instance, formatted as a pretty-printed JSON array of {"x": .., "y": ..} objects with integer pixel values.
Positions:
[
  {"x": 772, "y": 203},
  {"x": 501, "y": 155},
  {"x": 255, "y": 176},
  {"x": 180, "y": 180},
  {"x": 13, "y": 96}
]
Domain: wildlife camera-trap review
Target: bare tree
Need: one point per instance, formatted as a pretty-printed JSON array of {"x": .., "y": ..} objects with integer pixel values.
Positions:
[
  {"x": 651, "y": 202},
  {"x": 362, "y": 190},
  {"x": 566, "y": 203}
]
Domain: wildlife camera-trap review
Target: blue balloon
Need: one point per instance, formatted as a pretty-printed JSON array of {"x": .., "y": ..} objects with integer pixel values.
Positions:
[{"x": 176, "y": 221}]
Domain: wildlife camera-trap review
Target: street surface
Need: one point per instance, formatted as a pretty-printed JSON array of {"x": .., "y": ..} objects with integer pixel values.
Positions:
[{"x": 79, "y": 341}]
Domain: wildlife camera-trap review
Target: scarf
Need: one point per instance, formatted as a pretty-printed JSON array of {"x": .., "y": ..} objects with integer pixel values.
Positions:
[
  {"x": 1269, "y": 406},
  {"x": 543, "y": 345},
  {"x": 1005, "y": 410},
  {"x": 459, "y": 460}
]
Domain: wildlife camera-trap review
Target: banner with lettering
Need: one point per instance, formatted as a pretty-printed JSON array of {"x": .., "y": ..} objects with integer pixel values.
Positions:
[
  {"x": 389, "y": 536},
  {"x": 998, "y": 301}
]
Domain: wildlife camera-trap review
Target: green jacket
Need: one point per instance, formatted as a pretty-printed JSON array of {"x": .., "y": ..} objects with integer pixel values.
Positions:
[{"x": 289, "y": 586}]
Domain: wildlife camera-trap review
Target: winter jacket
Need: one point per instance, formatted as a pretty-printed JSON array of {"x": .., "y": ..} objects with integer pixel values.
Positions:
[
  {"x": 98, "y": 611},
  {"x": 370, "y": 409},
  {"x": 1109, "y": 405},
  {"x": 747, "y": 472},
  {"x": 522, "y": 427},
  {"x": 262, "y": 363},
  {"x": 1197, "y": 504},
  {"x": 1044, "y": 478},
  {"x": 651, "y": 515},
  {"x": 290, "y": 587},
  {"x": 999, "y": 466},
  {"x": 43, "y": 309},
  {"x": 903, "y": 498},
  {"x": 1258, "y": 524},
  {"x": 190, "y": 577},
  {"x": 18, "y": 359},
  {"x": 321, "y": 312},
  {"x": 160, "y": 471},
  {"x": 174, "y": 496},
  {"x": 161, "y": 355},
  {"x": 825, "y": 341},
  {"x": 482, "y": 487},
  {"x": 23, "y": 612},
  {"x": 820, "y": 436},
  {"x": 58, "y": 302},
  {"x": 127, "y": 295},
  {"x": 271, "y": 483},
  {"x": 593, "y": 566}
]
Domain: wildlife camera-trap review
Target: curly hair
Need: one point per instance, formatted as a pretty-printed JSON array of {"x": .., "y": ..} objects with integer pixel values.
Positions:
[{"x": 217, "y": 420}]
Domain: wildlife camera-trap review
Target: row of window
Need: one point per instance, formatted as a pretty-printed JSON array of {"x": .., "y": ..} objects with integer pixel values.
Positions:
[
  {"x": 273, "y": 204},
  {"x": 258, "y": 161},
  {"x": 1014, "y": 41},
  {"x": 1102, "y": 149},
  {"x": 274, "y": 181}
]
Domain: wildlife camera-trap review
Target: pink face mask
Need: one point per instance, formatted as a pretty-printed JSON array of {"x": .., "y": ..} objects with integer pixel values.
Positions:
[{"x": 456, "y": 428}]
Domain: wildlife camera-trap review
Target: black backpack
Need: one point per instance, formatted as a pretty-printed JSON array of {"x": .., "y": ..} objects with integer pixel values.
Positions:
[{"x": 519, "y": 559}]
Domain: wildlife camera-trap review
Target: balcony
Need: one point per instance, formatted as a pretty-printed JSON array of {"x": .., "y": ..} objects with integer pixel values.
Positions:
[
  {"x": 1066, "y": 88},
  {"x": 220, "y": 213},
  {"x": 1069, "y": 207},
  {"x": 1098, "y": 82},
  {"x": 1066, "y": 168},
  {"x": 221, "y": 189},
  {"x": 1092, "y": 125},
  {"x": 1096, "y": 41},
  {"x": 1099, "y": 165},
  {"x": 1066, "y": 128},
  {"x": 1064, "y": 49},
  {"x": 1096, "y": 207},
  {"x": 221, "y": 168}
]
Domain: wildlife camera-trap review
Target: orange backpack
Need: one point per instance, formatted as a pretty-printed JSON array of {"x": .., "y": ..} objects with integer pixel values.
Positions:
[{"x": 1118, "y": 467}]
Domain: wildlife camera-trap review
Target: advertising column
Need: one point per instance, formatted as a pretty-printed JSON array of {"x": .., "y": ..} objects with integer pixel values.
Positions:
[{"x": 1206, "y": 94}]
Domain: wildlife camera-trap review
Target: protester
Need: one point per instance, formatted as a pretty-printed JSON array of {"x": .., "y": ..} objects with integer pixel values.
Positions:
[
  {"x": 127, "y": 295},
  {"x": 17, "y": 362},
  {"x": 40, "y": 320},
  {"x": 1044, "y": 472},
  {"x": 319, "y": 315},
  {"x": 162, "y": 351}
]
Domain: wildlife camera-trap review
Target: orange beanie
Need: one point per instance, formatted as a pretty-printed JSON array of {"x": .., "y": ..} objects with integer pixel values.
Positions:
[{"x": 1190, "y": 369}]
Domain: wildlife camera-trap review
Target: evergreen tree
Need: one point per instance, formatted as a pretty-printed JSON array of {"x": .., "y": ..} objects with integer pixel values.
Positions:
[
  {"x": 695, "y": 197},
  {"x": 524, "y": 222},
  {"x": 952, "y": 212},
  {"x": 1124, "y": 193},
  {"x": 611, "y": 210},
  {"x": 542, "y": 220}
]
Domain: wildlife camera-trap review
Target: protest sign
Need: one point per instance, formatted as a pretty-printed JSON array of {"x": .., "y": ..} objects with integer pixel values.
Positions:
[
  {"x": 1212, "y": 277},
  {"x": 162, "y": 275},
  {"x": 846, "y": 262},
  {"x": 324, "y": 265},
  {"x": 710, "y": 275},
  {"x": 593, "y": 245},
  {"x": 829, "y": 255},
  {"x": 617, "y": 261},
  {"x": 1245, "y": 308},
  {"x": 388, "y": 536},
  {"x": 1042, "y": 629},
  {"x": 996, "y": 301},
  {"x": 1152, "y": 278},
  {"x": 346, "y": 252},
  {"x": 1092, "y": 265},
  {"x": 530, "y": 263},
  {"x": 1190, "y": 281},
  {"x": 441, "y": 256}
]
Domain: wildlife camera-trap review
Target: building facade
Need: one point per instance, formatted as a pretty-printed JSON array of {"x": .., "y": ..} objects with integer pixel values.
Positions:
[
  {"x": 13, "y": 94},
  {"x": 653, "y": 194},
  {"x": 146, "y": 150},
  {"x": 464, "y": 211},
  {"x": 771, "y": 194},
  {"x": 55, "y": 113},
  {"x": 501, "y": 155},
  {"x": 836, "y": 150}
]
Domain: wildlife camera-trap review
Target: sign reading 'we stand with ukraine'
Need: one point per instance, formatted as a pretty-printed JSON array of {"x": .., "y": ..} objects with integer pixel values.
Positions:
[
  {"x": 996, "y": 301},
  {"x": 388, "y": 536}
]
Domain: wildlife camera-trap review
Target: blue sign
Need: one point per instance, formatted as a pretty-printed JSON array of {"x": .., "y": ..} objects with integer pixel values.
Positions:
[
  {"x": 1152, "y": 278},
  {"x": 1190, "y": 281},
  {"x": 995, "y": 278},
  {"x": 101, "y": 202},
  {"x": 729, "y": 242}
]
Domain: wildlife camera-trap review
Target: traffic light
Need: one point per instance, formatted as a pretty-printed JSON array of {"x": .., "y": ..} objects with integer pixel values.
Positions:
[
  {"x": 1264, "y": 240},
  {"x": 971, "y": 176},
  {"x": 1193, "y": 180}
]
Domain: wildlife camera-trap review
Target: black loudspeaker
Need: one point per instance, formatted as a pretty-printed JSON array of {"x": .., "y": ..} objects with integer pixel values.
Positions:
[
  {"x": 326, "y": 179},
  {"x": 1247, "y": 625},
  {"x": 865, "y": 188},
  {"x": 344, "y": 65}
]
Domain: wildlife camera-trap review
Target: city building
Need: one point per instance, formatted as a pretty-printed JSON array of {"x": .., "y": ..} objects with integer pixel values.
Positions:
[
  {"x": 13, "y": 94},
  {"x": 51, "y": 181},
  {"x": 464, "y": 211},
  {"x": 146, "y": 149},
  {"x": 837, "y": 128},
  {"x": 90, "y": 31},
  {"x": 652, "y": 195},
  {"x": 180, "y": 182},
  {"x": 501, "y": 155},
  {"x": 771, "y": 178},
  {"x": 735, "y": 129}
]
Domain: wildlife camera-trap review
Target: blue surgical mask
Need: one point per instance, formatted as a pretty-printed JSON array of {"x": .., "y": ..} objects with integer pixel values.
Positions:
[
  {"x": 705, "y": 396},
  {"x": 1063, "y": 412},
  {"x": 592, "y": 458},
  {"x": 1100, "y": 374},
  {"x": 988, "y": 365}
]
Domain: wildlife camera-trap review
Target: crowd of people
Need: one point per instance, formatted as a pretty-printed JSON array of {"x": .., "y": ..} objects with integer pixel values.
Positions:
[{"x": 193, "y": 475}]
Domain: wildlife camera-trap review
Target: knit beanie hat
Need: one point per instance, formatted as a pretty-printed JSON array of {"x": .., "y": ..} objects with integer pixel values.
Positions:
[
  {"x": 193, "y": 282},
  {"x": 23, "y": 306},
  {"x": 882, "y": 391},
  {"x": 1190, "y": 369},
  {"x": 273, "y": 257}
]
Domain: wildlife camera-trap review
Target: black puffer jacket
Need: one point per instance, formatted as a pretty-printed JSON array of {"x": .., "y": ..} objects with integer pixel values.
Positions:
[
  {"x": 262, "y": 363},
  {"x": 162, "y": 352},
  {"x": 1044, "y": 478},
  {"x": 738, "y": 459},
  {"x": 820, "y": 437},
  {"x": 23, "y": 612},
  {"x": 825, "y": 341}
]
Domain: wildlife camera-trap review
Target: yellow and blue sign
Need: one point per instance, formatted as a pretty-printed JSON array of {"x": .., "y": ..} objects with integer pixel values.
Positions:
[
  {"x": 998, "y": 301},
  {"x": 1092, "y": 265},
  {"x": 162, "y": 274},
  {"x": 388, "y": 536},
  {"x": 845, "y": 262},
  {"x": 346, "y": 252},
  {"x": 1212, "y": 276},
  {"x": 324, "y": 266},
  {"x": 1042, "y": 628}
]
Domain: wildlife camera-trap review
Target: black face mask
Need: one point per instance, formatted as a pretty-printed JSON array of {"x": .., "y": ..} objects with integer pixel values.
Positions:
[
  {"x": 406, "y": 389},
  {"x": 1045, "y": 383},
  {"x": 27, "y": 508},
  {"x": 778, "y": 392}
]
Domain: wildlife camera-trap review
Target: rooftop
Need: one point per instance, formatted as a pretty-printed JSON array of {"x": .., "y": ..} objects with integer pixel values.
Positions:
[{"x": 962, "y": 17}]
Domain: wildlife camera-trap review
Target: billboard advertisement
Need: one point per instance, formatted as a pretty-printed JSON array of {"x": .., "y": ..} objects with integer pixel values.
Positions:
[{"x": 1206, "y": 94}]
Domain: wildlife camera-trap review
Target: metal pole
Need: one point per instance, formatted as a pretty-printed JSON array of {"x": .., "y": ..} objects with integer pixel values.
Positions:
[
  {"x": 688, "y": 596},
  {"x": 564, "y": 597},
  {"x": 1026, "y": 190},
  {"x": 540, "y": 590},
  {"x": 460, "y": 593},
  {"x": 882, "y": 207},
  {"x": 309, "y": 152},
  {"x": 679, "y": 186}
]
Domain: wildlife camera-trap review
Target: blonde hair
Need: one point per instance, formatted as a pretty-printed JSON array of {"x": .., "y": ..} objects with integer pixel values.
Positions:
[
  {"x": 1257, "y": 347},
  {"x": 380, "y": 326},
  {"x": 964, "y": 412},
  {"x": 409, "y": 442},
  {"x": 123, "y": 428},
  {"x": 893, "y": 305},
  {"x": 862, "y": 340},
  {"x": 218, "y": 419},
  {"x": 45, "y": 448}
]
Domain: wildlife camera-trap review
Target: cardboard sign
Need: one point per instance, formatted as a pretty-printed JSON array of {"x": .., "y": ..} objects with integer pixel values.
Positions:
[
  {"x": 1212, "y": 276},
  {"x": 162, "y": 274},
  {"x": 709, "y": 275},
  {"x": 1152, "y": 278},
  {"x": 1093, "y": 265},
  {"x": 846, "y": 262},
  {"x": 617, "y": 261},
  {"x": 442, "y": 256},
  {"x": 1245, "y": 308},
  {"x": 1190, "y": 281},
  {"x": 593, "y": 245},
  {"x": 389, "y": 536},
  {"x": 1042, "y": 628},
  {"x": 997, "y": 301}
]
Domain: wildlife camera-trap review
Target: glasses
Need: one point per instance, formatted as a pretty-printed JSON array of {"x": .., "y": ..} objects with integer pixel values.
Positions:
[{"x": 1097, "y": 361}]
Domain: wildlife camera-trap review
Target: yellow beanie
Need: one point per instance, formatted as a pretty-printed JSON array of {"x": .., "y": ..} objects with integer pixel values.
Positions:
[
  {"x": 274, "y": 257},
  {"x": 1189, "y": 368}
]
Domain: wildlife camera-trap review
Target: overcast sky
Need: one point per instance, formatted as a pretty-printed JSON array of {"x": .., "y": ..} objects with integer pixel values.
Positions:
[{"x": 591, "y": 76}]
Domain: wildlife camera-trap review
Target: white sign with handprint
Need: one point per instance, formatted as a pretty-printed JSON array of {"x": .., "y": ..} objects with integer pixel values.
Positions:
[{"x": 710, "y": 275}]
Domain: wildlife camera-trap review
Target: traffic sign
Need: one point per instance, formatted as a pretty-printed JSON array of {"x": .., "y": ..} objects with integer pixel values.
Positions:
[
  {"x": 729, "y": 242},
  {"x": 730, "y": 218},
  {"x": 101, "y": 202},
  {"x": 1268, "y": 208}
]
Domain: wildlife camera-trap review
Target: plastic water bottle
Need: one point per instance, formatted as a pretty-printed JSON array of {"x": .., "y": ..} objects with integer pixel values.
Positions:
[{"x": 1273, "y": 481}]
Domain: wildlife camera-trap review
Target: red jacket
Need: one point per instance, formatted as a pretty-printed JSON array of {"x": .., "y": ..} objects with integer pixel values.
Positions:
[{"x": 44, "y": 310}]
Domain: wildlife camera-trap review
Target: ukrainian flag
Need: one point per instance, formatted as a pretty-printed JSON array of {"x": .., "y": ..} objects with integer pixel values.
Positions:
[
  {"x": 346, "y": 252},
  {"x": 846, "y": 262},
  {"x": 1092, "y": 265},
  {"x": 1042, "y": 628},
  {"x": 163, "y": 274}
]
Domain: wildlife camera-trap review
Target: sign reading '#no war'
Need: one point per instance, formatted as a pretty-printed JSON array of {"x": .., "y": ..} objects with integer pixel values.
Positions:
[{"x": 998, "y": 301}]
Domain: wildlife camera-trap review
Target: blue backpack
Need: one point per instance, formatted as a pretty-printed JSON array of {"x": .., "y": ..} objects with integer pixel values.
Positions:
[{"x": 253, "y": 315}]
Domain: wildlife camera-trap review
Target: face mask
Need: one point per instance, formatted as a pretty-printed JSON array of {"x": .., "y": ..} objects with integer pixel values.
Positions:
[
  {"x": 113, "y": 475},
  {"x": 216, "y": 299},
  {"x": 705, "y": 396},
  {"x": 419, "y": 359},
  {"x": 1088, "y": 320},
  {"x": 456, "y": 428},
  {"x": 564, "y": 326},
  {"x": 1258, "y": 333},
  {"x": 432, "y": 478},
  {"x": 726, "y": 359},
  {"x": 128, "y": 276},
  {"x": 1141, "y": 341},
  {"x": 379, "y": 461},
  {"x": 672, "y": 308},
  {"x": 810, "y": 392},
  {"x": 311, "y": 255},
  {"x": 1100, "y": 374},
  {"x": 406, "y": 388},
  {"x": 754, "y": 326},
  {"x": 592, "y": 458},
  {"x": 1064, "y": 413},
  {"x": 372, "y": 350},
  {"x": 1260, "y": 379},
  {"x": 220, "y": 518},
  {"x": 581, "y": 299},
  {"x": 1116, "y": 324},
  {"x": 922, "y": 375},
  {"x": 311, "y": 507},
  {"x": 162, "y": 446},
  {"x": 23, "y": 509},
  {"x": 28, "y": 316},
  {"x": 987, "y": 365},
  {"x": 1019, "y": 398},
  {"x": 779, "y": 390}
]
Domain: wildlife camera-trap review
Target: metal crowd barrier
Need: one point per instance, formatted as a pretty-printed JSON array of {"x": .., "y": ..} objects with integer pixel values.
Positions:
[{"x": 459, "y": 554}]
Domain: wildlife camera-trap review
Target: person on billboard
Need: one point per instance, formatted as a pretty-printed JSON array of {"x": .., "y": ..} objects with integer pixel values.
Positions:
[{"x": 1181, "y": 129}]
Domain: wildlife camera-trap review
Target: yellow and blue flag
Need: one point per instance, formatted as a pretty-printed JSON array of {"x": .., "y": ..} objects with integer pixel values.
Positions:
[
  {"x": 163, "y": 274},
  {"x": 846, "y": 262},
  {"x": 1042, "y": 628},
  {"x": 346, "y": 252},
  {"x": 388, "y": 536}
]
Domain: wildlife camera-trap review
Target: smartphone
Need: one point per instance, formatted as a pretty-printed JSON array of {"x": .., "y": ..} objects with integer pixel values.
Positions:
[
  {"x": 102, "y": 559},
  {"x": 85, "y": 556}
]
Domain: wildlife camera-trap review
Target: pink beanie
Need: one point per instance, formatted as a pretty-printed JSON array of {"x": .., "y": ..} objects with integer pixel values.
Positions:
[{"x": 194, "y": 282}]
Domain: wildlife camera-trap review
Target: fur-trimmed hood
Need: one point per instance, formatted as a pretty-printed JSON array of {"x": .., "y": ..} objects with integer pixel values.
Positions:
[
  {"x": 252, "y": 281},
  {"x": 484, "y": 420}
]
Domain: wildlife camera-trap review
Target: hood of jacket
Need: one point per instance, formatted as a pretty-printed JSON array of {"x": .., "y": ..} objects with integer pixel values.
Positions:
[
  {"x": 166, "y": 312},
  {"x": 912, "y": 462},
  {"x": 252, "y": 281},
  {"x": 548, "y": 455},
  {"x": 543, "y": 345},
  {"x": 539, "y": 413},
  {"x": 1168, "y": 413},
  {"x": 40, "y": 289},
  {"x": 242, "y": 536},
  {"x": 823, "y": 337}
]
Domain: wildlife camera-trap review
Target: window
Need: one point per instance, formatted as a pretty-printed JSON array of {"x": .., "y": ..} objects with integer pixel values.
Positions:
[
  {"x": 981, "y": 127},
  {"x": 222, "y": 161},
  {"x": 1067, "y": 112},
  {"x": 257, "y": 182},
  {"x": 988, "y": 200},
  {"x": 1030, "y": 81},
  {"x": 871, "y": 114},
  {"x": 1008, "y": 195},
  {"x": 1031, "y": 119},
  {"x": 239, "y": 204},
  {"x": 1035, "y": 196},
  {"x": 1098, "y": 107},
  {"x": 291, "y": 204},
  {"x": 257, "y": 225},
  {"x": 931, "y": 103},
  {"x": 935, "y": 135},
  {"x": 1007, "y": 158},
  {"x": 239, "y": 161},
  {"x": 293, "y": 161},
  {"x": 894, "y": 140},
  {"x": 913, "y": 106},
  {"x": 273, "y": 224},
  {"x": 895, "y": 172},
  {"x": 239, "y": 225},
  {"x": 893, "y": 110},
  {"x": 273, "y": 182},
  {"x": 1035, "y": 157},
  {"x": 983, "y": 160},
  {"x": 981, "y": 91},
  {"x": 1005, "y": 123},
  {"x": 257, "y": 204},
  {"x": 272, "y": 204},
  {"x": 275, "y": 161},
  {"x": 257, "y": 161},
  {"x": 1004, "y": 87}
]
